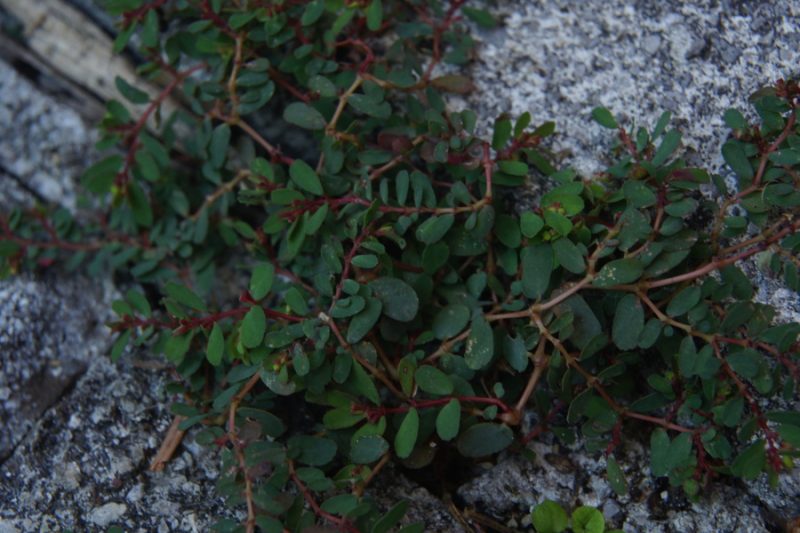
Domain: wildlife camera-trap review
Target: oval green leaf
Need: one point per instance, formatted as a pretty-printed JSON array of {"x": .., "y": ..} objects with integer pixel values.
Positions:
[
  {"x": 433, "y": 381},
  {"x": 406, "y": 436},
  {"x": 450, "y": 321},
  {"x": 448, "y": 420},
  {"x": 368, "y": 449},
  {"x": 304, "y": 115},
  {"x": 253, "y": 327},
  {"x": 304, "y": 177},
  {"x": 484, "y": 439},
  {"x": 480, "y": 344},
  {"x": 400, "y": 302}
]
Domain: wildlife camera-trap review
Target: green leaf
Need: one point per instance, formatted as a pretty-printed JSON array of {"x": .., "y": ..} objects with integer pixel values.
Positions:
[
  {"x": 216, "y": 345},
  {"x": 484, "y": 439},
  {"x": 513, "y": 168},
  {"x": 218, "y": 148},
  {"x": 406, "y": 436},
  {"x": 684, "y": 301},
  {"x": 603, "y": 116},
  {"x": 619, "y": 272},
  {"x": 347, "y": 307},
  {"x": 665, "y": 455},
  {"x": 434, "y": 228},
  {"x": 531, "y": 224},
  {"x": 751, "y": 462},
  {"x": 304, "y": 177},
  {"x": 734, "y": 154},
  {"x": 140, "y": 205},
  {"x": 450, "y": 321},
  {"x": 549, "y": 517},
  {"x": 558, "y": 222},
  {"x": 312, "y": 451},
  {"x": 433, "y": 381},
  {"x": 405, "y": 372},
  {"x": 322, "y": 85},
  {"x": 261, "y": 280},
  {"x": 391, "y": 518},
  {"x": 569, "y": 256},
  {"x": 537, "y": 266},
  {"x": 368, "y": 449},
  {"x": 669, "y": 144},
  {"x": 131, "y": 93},
  {"x": 659, "y": 452},
  {"x": 185, "y": 296},
  {"x": 365, "y": 261},
  {"x": 787, "y": 157},
  {"x": 374, "y": 14},
  {"x": 628, "y": 322},
  {"x": 99, "y": 177},
  {"x": 312, "y": 12},
  {"x": 515, "y": 353},
  {"x": 745, "y": 362},
  {"x": 734, "y": 119},
  {"x": 481, "y": 17},
  {"x": 139, "y": 302},
  {"x": 502, "y": 133},
  {"x": 341, "y": 418},
  {"x": 587, "y": 519},
  {"x": 638, "y": 194},
  {"x": 730, "y": 413},
  {"x": 616, "y": 477},
  {"x": 480, "y": 344},
  {"x": 400, "y": 301},
  {"x": 507, "y": 230},
  {"x": 147, "y": 166},
  {"x": 448, "y": 420},
  {"x": 305, "y": 116},
  {"x": 790, "y": 434},
  {"x": 364, "y": 383},
  {"x": 253, "y": 326},
  {"x": 177, "y": 346},
  {"x": 296, "y": 301},
  {"x": 364, "y": 104},
  {"x": 120, "y": 344},
  {"x": 9, "y": 248},
  {"x": 268, "y": 524},
  {"x": 362, "y": 323}
]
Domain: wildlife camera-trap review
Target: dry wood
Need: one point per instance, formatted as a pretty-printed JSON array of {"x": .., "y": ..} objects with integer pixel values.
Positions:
[
  {"x": 63, "y": 40},
  {"x": 168, "y": 445}
]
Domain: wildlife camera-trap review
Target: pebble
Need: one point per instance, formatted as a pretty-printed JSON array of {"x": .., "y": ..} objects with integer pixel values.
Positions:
[{"x": 107, "y": 514}]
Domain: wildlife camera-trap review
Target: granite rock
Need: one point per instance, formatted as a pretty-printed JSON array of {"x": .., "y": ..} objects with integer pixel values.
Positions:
[
  {"x": 558, "y": 59},
  {"x": 50, "y": 331},
  {"x": 49, "y": 149},
  {"x": 84, "y": 466},
  {"x": 72, "y": 461},
  {"x": 573, "y": 477}
]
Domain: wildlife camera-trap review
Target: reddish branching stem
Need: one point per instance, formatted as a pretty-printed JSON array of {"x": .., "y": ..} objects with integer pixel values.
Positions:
[
  {"x": 184, "y": 325},
  {"x": 341, "y": 523},
  {"x": 132, "y": 135},
  {"x": 374, "y": 414}
]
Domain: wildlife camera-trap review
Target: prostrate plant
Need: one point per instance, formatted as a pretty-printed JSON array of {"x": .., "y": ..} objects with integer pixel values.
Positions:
[
  {"x": 396, "y": 308},
  {"x": 550, "y": 517}
]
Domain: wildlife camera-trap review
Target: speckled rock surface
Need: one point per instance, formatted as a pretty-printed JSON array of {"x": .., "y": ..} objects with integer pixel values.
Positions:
[
  {"x": 50, "y": 331},
  {"x": 77, "y": 462},
  {"x": 573, "y": 477},
  {"x": 85, "y": 465},
  {"x": 49, "y": 148},
  {"x": 558, "y": 59}
]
